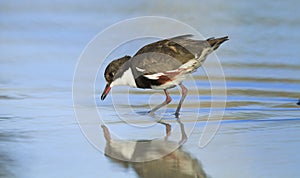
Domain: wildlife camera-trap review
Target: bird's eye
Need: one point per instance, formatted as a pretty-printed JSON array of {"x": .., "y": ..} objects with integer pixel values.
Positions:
[{"x": 111, "y": 74}]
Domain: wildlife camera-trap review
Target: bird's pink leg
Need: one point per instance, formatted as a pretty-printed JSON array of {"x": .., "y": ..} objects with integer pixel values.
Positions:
[
  {"x": 167, "y": 101},
  {"x": 184, "y": 92}
]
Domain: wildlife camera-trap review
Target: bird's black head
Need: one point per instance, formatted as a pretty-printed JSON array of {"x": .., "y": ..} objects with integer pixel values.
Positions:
[
  {"x": 111, "y": 73},
  {"x": 112, "y": 69}
]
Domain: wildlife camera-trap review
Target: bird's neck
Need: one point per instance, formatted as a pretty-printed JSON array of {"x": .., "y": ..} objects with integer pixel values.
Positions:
[{"x": 127, "y": 78}]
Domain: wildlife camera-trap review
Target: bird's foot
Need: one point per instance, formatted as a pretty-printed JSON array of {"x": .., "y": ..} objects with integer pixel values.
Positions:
[{"x": 177, "y": 114}]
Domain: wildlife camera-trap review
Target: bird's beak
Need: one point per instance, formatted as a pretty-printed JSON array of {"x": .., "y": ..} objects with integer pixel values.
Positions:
[{"x": 105, "y": 92}]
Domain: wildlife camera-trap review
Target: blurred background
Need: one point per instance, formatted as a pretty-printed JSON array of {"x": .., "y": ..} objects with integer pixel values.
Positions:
[{"x": 41, "y": 42}]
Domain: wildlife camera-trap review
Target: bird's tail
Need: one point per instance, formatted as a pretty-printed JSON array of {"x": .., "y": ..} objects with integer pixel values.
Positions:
[{"x": 216, "y": 42}]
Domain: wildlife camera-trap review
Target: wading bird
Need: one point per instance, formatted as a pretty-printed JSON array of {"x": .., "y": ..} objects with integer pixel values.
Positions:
[{"x": 161, "y": 65}]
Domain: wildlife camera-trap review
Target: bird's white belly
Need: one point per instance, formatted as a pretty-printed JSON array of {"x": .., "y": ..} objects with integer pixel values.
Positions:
[{"x": 170, "y": 84}]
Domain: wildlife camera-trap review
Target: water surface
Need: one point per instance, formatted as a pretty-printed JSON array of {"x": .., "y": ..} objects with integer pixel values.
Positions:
[{"x": 259, "y": 134}]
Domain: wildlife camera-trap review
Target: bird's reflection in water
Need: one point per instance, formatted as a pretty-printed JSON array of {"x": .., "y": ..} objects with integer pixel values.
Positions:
[{"x": 177, "y": 164}]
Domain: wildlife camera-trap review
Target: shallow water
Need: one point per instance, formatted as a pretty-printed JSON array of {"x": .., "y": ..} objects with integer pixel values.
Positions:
[{"x": 258, "y": 136}]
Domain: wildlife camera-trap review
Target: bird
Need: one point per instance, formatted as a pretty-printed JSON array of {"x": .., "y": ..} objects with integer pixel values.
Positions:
[{"x": 161, "y": 65}]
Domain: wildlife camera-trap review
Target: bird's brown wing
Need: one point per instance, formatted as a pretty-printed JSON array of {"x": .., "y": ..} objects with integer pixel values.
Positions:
[
  {"x": 194, "y": 46},
  {"x": 151, "y": 63},
  {"x": 161, "y": 56}
]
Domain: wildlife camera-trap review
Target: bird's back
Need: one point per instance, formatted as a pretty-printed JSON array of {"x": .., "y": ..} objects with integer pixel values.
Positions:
[
  {"x": 167, "y": 47},
  {"x": 168, "y": 54}
]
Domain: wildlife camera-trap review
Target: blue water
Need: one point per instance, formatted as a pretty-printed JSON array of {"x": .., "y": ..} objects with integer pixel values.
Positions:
[{"x": 41, "y": 43}]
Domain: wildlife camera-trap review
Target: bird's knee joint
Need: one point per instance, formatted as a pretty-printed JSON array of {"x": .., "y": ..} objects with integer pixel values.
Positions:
[{"x": 168, "y": 100}]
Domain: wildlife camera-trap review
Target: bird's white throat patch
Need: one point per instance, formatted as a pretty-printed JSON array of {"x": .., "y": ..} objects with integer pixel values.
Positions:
[{"x": 126, "y": 79}]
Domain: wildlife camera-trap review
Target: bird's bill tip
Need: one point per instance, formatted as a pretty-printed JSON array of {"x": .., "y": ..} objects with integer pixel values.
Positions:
[{"x": 105, "y": 92}]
